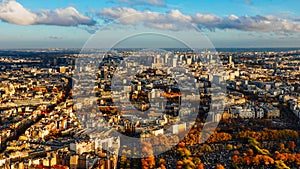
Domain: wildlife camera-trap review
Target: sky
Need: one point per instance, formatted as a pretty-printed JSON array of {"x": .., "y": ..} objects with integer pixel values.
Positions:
[{"x": 226, "y": 23}]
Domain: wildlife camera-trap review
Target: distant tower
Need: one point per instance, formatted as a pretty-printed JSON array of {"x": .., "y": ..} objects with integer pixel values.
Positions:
[
  {"x": 230, "y": 59},
  {"x": 275, "y": 66},
  {"x": 230, "y": 62},
  {"x": 174, "y": 62},
  {"x": 166, "y": 58},
  {"x": 189, "y": 60},
  {"x": 55, "y": 61}
]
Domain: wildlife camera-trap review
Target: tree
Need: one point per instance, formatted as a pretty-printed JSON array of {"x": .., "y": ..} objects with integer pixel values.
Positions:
[
  {"x": 162, "y": 166},
  {"x": 200, "y": 166},
  {"x": 281, "y": 165},
  {"x": 206, "y": 148},
  {"x": 197, "y": 160},
  {"x": 247, "y": 160},
  {"x": 179, "y": 164},
  {"x": 292, "y": 145},
  {"x": 148, "y": 162},
  {"x": 219, "y": 166},
  {"x": 235, "y": 159},
  {"x": 268, "y": 160},
  {"x": 281, "y": 146},
  {"x": 162, "y": 161},
  {"x": 181, "y": 145},
  {"x": 250, "y": 152},
  {"x": 255, "y": 160},
  {"x": 229, "y": 147},
  {"x": 277, "y": 155}
]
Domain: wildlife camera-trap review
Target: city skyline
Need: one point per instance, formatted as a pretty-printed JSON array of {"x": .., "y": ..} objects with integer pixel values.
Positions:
[{"x": 69, "y": 24}]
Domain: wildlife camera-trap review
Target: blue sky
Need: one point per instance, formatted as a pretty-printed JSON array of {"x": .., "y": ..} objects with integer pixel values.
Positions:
[{"x": 227, "y": 23}]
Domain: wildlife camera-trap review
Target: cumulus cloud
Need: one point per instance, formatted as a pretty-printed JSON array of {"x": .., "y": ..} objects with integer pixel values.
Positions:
[
  {"x": 13, "y": 12},
  {"x": 142, "y": 2},
  {"x": 175, "y": 20},
  {"x": 259, "y": 23},
  {"x": 63, "y": 17}
]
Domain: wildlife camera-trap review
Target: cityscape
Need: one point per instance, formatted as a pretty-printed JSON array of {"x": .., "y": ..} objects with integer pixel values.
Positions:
[
  {"x": 42, "y": 126},
  {"x": 149, "y": 84}
]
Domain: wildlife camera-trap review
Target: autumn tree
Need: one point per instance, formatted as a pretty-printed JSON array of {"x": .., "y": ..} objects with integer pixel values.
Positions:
[
  {"x": 292, "y": 145},
  {"x": 219, "y": 166},
  {"x": 149, "y": 161},
  {"x": 186, "y": 161}
]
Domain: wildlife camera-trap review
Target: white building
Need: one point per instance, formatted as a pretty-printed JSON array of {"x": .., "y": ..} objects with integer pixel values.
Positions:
[
  {"x": 157, "y": 132},
  {"x": 177, "y": 128}
]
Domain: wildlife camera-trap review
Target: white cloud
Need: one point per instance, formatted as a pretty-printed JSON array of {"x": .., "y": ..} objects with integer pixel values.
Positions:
[
  {"x": 13, "y": 12},
  {"x": 63, "y": 17},
  {"x": 143, "y": 2},
  {"x": 175, "y": 20},
  {"x": 208, "y": 21},
  {"x": 176, "y": 15},
  {"x": 206, "y": 18},
  {"x": 259, "y": 24}
]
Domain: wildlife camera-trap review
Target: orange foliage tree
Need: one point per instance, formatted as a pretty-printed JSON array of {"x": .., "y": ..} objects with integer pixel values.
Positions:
[{"x": 149, "y": 161}]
